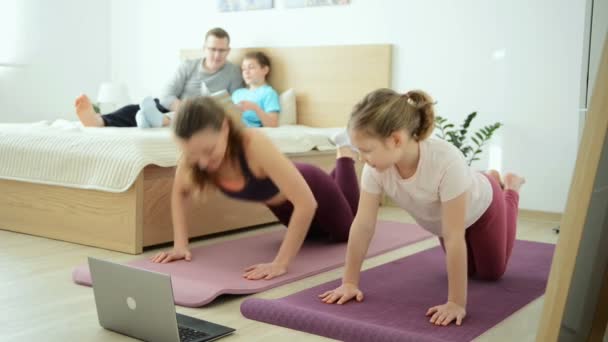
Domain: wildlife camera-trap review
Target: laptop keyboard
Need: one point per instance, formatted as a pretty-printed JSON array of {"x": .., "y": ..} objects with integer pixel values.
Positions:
[{"x": 187, "y": 334}]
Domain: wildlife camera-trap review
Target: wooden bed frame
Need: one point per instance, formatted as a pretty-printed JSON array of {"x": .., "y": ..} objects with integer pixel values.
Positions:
[{"x": 328, "y": 81}]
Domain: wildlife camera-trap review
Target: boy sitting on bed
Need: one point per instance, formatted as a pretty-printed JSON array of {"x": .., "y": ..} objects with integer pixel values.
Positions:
[{"x": 258, "y": 104}]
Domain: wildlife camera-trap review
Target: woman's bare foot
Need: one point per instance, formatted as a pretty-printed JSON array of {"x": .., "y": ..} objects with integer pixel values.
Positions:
[
  {"x": 86, "y": 112},
  {"x": 346, "y": 151},
  {"x": 514, "y": 182},
  {"x": 496, "y": 175},
  {"x": 344, "y": 147}
]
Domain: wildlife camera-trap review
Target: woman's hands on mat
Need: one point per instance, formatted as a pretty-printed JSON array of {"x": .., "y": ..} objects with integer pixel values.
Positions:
[
  {"x": 177, "y": 253},
  {"x": 264, "y": 271},
  {"x": 342, "y": 294},
  {"x": 446, "y": 313}
]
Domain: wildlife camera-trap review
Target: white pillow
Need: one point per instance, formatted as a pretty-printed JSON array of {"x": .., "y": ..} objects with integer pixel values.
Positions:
[{"x": 288, "y": 115}]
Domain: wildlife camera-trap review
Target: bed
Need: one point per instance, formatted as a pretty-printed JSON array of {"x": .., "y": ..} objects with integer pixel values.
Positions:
[{"x": 134, "y": 214}]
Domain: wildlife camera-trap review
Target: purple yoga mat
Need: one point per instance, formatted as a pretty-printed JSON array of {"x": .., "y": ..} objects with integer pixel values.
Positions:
[
  {"x": 398, "y": 294},
  {"x": 217, "y": 269}
]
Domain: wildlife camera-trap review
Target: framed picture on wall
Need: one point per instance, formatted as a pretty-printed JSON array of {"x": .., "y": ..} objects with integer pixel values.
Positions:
[
  {"x": 243, "y": 5},
  {"x": 313, "y": 3}
]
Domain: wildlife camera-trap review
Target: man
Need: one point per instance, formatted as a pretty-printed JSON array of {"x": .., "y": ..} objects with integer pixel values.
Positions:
[{"x": 195, "y": 77}]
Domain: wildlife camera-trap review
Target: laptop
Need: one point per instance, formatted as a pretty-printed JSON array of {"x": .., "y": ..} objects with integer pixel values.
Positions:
[{"x": 139, "y": 303}]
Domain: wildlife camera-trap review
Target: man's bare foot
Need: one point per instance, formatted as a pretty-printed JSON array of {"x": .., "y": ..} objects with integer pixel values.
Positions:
[
  {"x": 346, "y": 151},
  {"x": 514, "y": 182},
  {"x": 86, "y": 112},
  {"x": 166, "y": 121},
  {"x": 496, "y": 175}
]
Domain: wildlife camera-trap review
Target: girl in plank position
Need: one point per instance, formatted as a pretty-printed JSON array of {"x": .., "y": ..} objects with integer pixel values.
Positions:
[
  {"x": 245, "y": 164},
  {"x": 473, "y": 214}
]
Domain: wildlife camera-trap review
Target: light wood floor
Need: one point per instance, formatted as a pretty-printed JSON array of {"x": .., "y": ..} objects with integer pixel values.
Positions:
[{"x": 38, "y": 300}]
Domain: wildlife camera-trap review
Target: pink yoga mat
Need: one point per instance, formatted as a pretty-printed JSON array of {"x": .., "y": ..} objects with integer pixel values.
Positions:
[
  {"x": 217, "y": 269},
  {"x": 398, "y": 294}
]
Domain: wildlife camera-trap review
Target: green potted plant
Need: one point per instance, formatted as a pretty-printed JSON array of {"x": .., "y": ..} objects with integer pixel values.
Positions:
[{"x": 458, "y": 135}]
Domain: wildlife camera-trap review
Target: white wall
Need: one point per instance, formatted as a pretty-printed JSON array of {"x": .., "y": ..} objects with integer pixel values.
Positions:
[
  {"x": 64, "y": 46},
  {"x": 452, "y": 49}
]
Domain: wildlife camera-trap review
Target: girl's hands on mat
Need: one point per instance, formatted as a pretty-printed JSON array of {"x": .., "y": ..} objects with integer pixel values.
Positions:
[
  {"x": 264, "y": 271},
  {"x": 342, "y": 294},
  {"x": 446, "y": 313},
  {"x": 177, "y": 253}
]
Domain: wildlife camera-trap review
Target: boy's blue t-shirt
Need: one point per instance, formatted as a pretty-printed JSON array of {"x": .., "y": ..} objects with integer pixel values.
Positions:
[{"x": 265, "y": 97}]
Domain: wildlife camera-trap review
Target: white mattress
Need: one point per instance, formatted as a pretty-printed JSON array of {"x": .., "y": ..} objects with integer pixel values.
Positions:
[{"x": 66, "y": 154}]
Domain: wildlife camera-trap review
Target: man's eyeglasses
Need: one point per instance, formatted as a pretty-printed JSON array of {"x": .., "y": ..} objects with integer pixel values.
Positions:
[{"x": 216, "y": 50}]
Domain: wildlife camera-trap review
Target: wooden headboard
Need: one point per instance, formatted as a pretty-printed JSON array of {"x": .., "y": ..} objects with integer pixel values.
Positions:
[{"x": 328, "y": 80}]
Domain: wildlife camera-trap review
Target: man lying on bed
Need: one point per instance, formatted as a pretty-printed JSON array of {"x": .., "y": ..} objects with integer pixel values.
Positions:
[
  {"x": 257, "y": 105},
  {"x": 193, "y": 78}
]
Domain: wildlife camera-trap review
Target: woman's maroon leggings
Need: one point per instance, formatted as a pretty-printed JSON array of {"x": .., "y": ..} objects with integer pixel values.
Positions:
[{"x": 337, "y": 196}]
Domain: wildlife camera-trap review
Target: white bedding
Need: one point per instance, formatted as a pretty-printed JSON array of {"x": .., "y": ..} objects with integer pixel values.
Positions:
[
  {"x": 298, "y": 138},
  {"x": 109, "y": 159}
]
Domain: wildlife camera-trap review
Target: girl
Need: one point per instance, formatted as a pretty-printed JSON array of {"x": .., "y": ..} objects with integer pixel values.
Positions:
[
  {"x": 472, "y": 216},
  {"x": 258, "y": 103},
  {"x": 245, "y": 164}
]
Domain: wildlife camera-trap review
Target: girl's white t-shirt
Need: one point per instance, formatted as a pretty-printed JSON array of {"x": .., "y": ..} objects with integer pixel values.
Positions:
[{"x": 442, "y": 174}]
